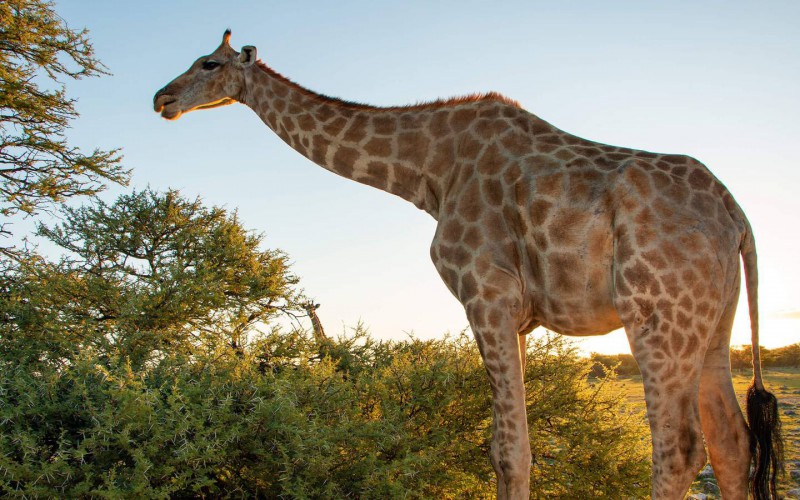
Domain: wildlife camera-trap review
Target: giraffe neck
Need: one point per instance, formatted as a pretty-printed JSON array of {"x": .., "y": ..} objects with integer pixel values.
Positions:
[{"x": 387, "y": 148}]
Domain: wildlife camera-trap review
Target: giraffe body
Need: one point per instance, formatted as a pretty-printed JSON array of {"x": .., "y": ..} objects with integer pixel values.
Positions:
[{"x": 540, "y": 227}]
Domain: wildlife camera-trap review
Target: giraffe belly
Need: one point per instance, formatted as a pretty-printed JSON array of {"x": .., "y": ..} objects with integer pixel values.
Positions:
[
  {"x": 587, "y": 310},
  {"x": 585, "y": 323},
  {"x": 573, "y": 288}
]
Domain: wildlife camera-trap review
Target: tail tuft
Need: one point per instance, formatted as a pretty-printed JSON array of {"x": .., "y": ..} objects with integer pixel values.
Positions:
[{"x": 766, "y": 444}]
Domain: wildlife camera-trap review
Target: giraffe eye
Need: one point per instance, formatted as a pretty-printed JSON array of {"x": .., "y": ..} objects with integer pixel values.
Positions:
[{"x": 209, "y": 65}]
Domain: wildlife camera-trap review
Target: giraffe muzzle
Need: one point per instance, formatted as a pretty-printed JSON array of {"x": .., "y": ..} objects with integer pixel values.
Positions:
[{"x": 162, "y": 103}]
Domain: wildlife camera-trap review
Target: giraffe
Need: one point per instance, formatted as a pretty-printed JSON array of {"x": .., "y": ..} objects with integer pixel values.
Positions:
[
  {"x": 539, "y": 227},
  {"x": 319, "y": 333}
]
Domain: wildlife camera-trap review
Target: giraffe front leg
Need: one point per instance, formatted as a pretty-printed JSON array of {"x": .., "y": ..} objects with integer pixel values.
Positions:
[
  {"x": 491, "y": 293},
  {"x": 496, "y": 334}
]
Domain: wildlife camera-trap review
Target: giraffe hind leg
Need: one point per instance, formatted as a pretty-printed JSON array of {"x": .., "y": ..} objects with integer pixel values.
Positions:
[
  {"x": 675, "y": 426},
  {"x": 670, "y": 357},
  {"x": 723, "y": 424}
]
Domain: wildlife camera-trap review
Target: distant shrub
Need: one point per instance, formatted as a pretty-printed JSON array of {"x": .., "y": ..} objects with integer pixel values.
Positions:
[
  {"x": 780, "y": 357},
  {"x": 741, "y": 359},
  {"x": 622, "y": 364}
]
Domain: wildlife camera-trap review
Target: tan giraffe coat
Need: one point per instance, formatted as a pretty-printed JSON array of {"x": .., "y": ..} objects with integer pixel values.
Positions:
[{"x": 540, "y": 227}]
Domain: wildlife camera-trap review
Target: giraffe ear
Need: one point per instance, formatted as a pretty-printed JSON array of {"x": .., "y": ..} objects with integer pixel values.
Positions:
[{"x": 247, "y": 56}]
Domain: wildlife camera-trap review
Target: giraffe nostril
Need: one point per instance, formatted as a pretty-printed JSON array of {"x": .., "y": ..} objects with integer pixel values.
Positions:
[{"x": 163, "y": 94}]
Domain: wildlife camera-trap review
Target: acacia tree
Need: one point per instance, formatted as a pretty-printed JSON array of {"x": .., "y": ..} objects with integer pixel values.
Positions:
[
  {"x": 149, "y": 273},
  {"x": 38, "y": 166}
]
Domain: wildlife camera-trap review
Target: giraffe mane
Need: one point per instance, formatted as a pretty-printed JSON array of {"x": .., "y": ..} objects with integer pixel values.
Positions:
[{"x": 435, "y": 104}]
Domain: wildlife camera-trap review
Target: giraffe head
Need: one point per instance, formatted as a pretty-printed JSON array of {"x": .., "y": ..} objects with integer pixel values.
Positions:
[{"x": 211, "y": 81}]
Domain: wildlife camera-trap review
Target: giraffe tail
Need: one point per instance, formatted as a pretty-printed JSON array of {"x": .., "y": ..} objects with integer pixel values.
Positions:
[{"x": 766, "y": 444}]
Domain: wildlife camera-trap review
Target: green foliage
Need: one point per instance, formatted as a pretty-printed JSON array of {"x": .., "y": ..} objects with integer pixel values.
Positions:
[
  {"x": 37, "y": 164},
  {"x": 149, "y": 274},
  {"x": 596, "y": 445},
  {"x": 406, "y": 419}
]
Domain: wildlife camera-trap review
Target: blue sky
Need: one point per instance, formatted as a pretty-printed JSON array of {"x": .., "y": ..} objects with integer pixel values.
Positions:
[{"x": 716, "y": 80}]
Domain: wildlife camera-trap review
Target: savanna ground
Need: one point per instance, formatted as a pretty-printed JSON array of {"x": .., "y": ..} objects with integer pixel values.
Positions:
[{"x": 785, "y": 384}]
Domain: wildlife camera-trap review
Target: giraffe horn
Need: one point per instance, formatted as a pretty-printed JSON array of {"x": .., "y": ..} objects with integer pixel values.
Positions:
[{"x": 226, "y": 37}]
